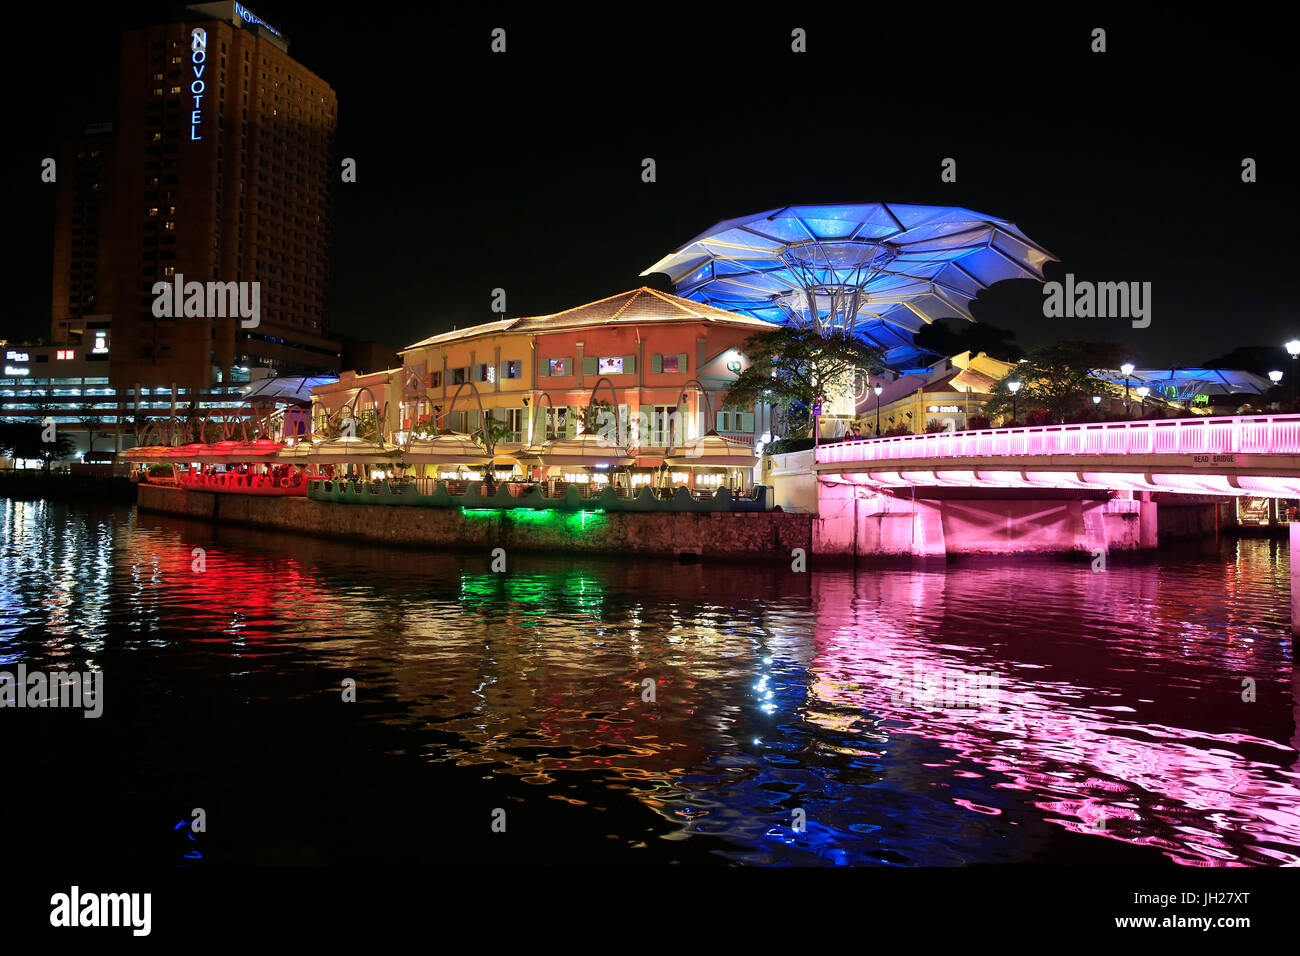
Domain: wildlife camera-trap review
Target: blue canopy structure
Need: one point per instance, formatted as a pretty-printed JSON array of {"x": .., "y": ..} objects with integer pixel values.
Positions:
[
  {"x": 1185, "y": 384},
  {"x": 876, "y": 270}
]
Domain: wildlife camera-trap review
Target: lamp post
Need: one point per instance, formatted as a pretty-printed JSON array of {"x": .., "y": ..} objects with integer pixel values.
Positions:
[
  {"x": 1275, "y": 376},
  {"x": 1293, "y": 347},
  {"x": 877, "y": 389},
  {"x": 1143, "y": 392},
  {"x": 1096, "y": 401},
  {"x": 1126, "y": 370},
  {"x": 1013, "y": 387}
]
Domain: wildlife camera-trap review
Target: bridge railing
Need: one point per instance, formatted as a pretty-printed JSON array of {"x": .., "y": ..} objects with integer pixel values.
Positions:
[{"x": 1247, "y": 434}]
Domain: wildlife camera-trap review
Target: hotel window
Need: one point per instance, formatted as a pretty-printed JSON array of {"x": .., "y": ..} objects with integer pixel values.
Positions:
[
  {"x": 435, "y": 380},
  {"x": 485, "y": 372},
  {"x": 557, "y": 367},
  {"x": 459, "y": 376},
  {"x": 669, "y": 364},
  {"x": 512, "y": 368}
]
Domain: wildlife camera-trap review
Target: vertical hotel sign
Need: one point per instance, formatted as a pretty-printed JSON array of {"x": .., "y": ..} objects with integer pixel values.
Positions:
[{"x": 198, "y": 57}]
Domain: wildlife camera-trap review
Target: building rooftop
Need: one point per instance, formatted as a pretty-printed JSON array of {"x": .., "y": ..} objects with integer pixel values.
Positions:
[{"x": 632, "y": 307}]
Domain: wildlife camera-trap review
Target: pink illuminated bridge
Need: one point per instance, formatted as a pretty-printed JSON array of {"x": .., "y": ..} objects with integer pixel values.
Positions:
[{"x": 1257, "y": 455}]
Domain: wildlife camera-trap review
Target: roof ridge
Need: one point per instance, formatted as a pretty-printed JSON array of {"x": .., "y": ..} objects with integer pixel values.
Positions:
[{"x": 626, "y": 305}]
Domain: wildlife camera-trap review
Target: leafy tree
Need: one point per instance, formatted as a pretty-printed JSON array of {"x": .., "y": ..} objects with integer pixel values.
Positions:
[
  {"x": 1058, "y": 379},
  {"x": 944, "y": 340},
  {"x": 26, "y": 440},
  {"x": 790, "y": 368},
  {"x": 93, "y": 425}
]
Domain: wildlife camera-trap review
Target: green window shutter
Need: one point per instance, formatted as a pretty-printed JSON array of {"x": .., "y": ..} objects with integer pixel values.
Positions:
[
  {"x": 589, "y": 365},
  {"x": 568, "y": 366},
  {"x": 722, "y": 422},
  {"x": 571, "y": 421},
  {"x": 657, "y": 364},
  {"x": 746, "y": 421},
  {"x": 544, "y": 368},
  {"x": 629, "y": 364},
  {"x": 681, "y": 363},
  {"x": 503, "y": 372}
]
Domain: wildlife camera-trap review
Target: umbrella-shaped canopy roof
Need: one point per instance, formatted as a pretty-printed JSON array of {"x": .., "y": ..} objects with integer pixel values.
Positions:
[
  {"x": 222, "y": 451},
  {"x": 190, "y": 452},
  {"x": 1186, "y": 383},
  {"x": 262, "y": 449},
  {"x": 299, "y": 451},
  {"x": 353, "y": 449},
  {"x": 711, "y": 451},
  {"x": 878, "y": 270},
  {"x": 146, "y": 453},
  {"x": 455, "y": 448},
  {"x": 584, "y": 451}
]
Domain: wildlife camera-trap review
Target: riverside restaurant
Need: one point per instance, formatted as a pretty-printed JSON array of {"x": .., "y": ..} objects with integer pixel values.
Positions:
[{"x": 453, "y": 470}]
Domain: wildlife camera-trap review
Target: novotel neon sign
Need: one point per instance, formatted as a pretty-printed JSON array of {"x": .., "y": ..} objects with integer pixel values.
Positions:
[
  {"x": 198, "y": 56},
  {"x": 248, "y": 17}
]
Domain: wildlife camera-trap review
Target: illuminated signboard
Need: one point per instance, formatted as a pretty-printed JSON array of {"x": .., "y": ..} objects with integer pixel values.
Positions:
[
  {"x": 248, "y": 17},
  {"x": 12, "y": 370},
  {"x": 198, "y": 56},
  {"x": 101, "y": 343},
  {"x": 62, "y": 355},
  {"x": 17, "y": 356},
  {"x": 944, "y": 408}
]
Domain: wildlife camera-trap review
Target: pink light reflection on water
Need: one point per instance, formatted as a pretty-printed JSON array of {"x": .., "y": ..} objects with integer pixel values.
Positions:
[{"x": 1148, "y": 733}]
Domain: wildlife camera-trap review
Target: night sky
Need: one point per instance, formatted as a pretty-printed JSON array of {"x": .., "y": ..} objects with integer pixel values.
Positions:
[{"x": 522, "y": 171}]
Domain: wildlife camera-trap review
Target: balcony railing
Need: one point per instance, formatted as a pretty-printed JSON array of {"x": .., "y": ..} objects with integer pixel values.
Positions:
[{"x": 1249, "y": 435}]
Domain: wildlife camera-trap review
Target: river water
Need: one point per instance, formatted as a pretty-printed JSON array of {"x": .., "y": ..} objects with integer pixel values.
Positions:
[{"x": 635, "y": 711}]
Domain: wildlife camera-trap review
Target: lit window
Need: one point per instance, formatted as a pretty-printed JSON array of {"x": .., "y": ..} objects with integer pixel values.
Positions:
[{"x": 610, "y": 365}]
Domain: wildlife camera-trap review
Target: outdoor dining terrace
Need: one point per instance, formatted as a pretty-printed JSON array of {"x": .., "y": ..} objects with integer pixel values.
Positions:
[{"x": 536, "y": 496}]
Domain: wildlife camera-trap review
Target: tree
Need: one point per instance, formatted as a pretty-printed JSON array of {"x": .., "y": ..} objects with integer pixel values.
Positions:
[
  {"x": 93, "y": 425},
  {"x": 790, "y": 368},
  {"x": 1058, "y": 379},
  {"x": 26, "y": 440},
  {"x": 943, "y": 340}
]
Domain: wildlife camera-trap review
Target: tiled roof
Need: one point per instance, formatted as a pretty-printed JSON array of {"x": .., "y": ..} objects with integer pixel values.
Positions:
[{"x": 637, "y": 305}]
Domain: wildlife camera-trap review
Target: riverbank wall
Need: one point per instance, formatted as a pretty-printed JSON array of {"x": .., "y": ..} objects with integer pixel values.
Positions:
[{"x": 751, "y": 536}]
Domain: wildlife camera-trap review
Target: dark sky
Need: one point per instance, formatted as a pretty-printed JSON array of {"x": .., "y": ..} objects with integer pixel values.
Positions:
[{"x": 522, "y": 171}]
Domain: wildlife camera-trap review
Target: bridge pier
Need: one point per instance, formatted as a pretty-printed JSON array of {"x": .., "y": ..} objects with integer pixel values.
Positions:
[
  {"x": 1295, "y": 581},
  {"x": 856, "y": 520}
]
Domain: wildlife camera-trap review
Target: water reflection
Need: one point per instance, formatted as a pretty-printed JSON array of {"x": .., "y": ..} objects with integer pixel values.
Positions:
[{"x": 1118, "y": 731}]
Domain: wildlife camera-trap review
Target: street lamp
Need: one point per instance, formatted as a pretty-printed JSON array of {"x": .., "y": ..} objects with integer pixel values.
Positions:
[
  {"x": 1275, "y": 377},
  {"x": 1143, "y": 392},
  {"x": 877, "y": 389},
  {"x": 1013, "y": 387},
  {"x": 1294, "y": 348},
  {"x": 1126, "y": 370}
]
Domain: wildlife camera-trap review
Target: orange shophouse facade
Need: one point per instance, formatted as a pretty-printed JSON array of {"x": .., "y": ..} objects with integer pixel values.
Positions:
[{"x": 665, "y": 361}]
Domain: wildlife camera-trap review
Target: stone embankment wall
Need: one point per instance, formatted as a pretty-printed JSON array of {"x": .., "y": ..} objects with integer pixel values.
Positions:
[{"x": 755, "y": 536}]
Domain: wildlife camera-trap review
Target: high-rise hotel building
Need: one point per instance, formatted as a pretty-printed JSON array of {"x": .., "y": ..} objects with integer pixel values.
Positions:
[{"x": 221, "y": 168}]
